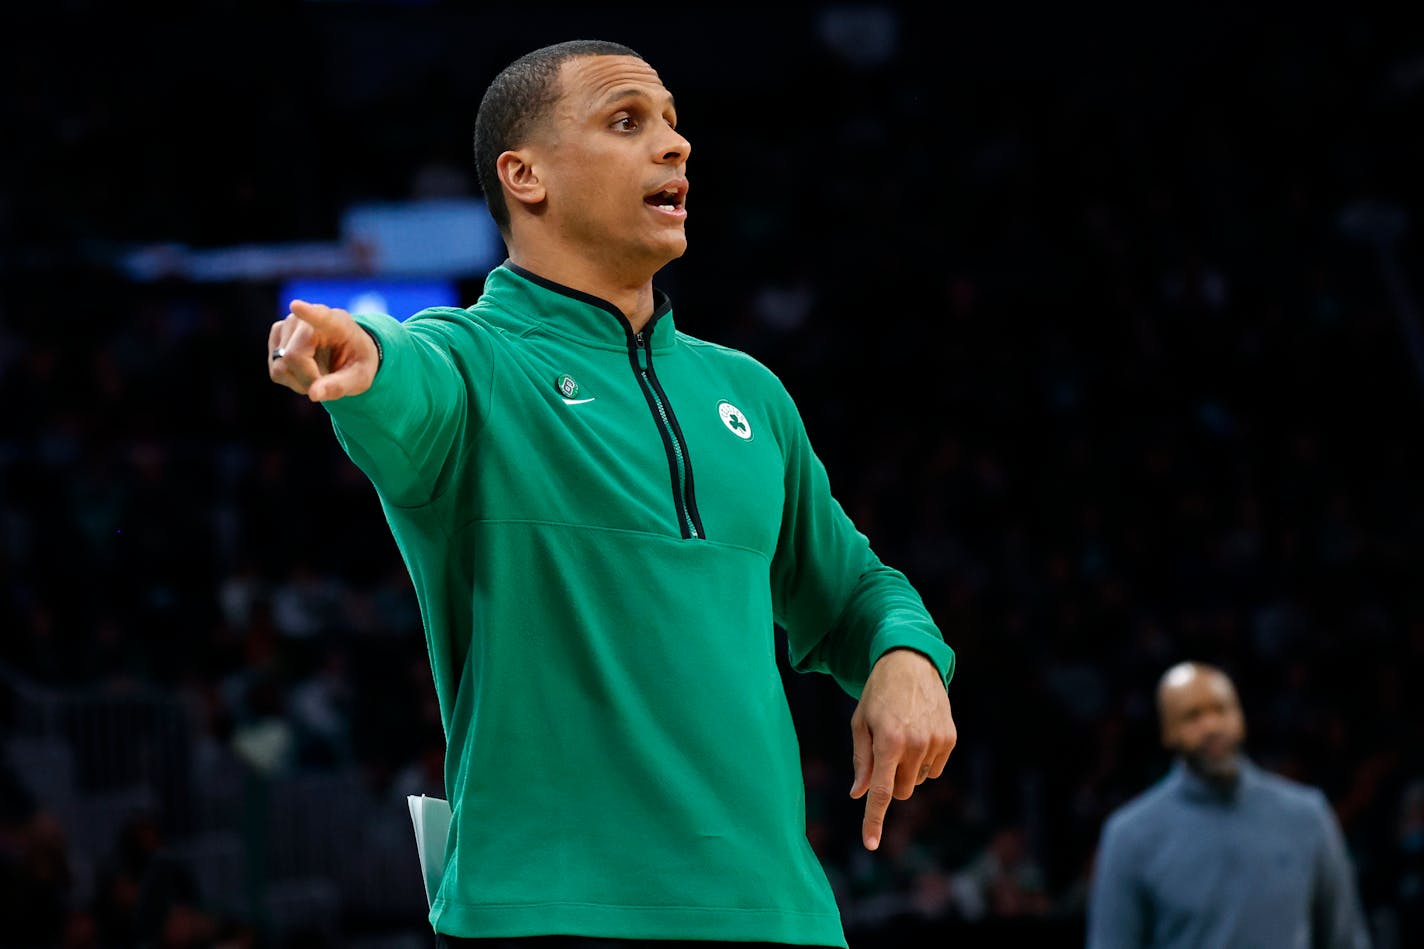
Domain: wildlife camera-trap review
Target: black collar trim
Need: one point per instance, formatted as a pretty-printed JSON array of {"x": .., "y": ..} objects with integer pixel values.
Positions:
[{"x": 661, "y": 303}]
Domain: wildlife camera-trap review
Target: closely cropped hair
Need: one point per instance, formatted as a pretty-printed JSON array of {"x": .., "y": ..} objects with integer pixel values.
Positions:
[{"x": 517, "y": 100}]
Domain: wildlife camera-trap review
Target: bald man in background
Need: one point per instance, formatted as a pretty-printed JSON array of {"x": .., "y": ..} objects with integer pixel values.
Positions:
[{"x": 1221, "y": 853}]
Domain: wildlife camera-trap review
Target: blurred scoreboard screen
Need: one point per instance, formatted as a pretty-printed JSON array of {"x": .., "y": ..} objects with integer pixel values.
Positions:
[{"x": 400, "y": 298}]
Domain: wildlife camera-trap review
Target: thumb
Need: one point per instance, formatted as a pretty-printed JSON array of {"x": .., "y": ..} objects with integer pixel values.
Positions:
[
  {"x": 862, "y": 756},
  {"x": 349, "y": 380}
]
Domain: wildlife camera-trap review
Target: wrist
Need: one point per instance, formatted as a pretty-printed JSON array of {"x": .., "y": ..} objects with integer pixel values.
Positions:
[{"x": 905, "y": 652}]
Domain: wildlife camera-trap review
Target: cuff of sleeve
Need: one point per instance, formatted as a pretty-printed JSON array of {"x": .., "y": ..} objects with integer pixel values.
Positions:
[
  {"x": 901, "y": 636},
  {"x": 380, "y": 348}
]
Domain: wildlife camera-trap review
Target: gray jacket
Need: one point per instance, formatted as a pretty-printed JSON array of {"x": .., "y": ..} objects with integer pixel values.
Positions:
[{"x": 1188, "y": 866}]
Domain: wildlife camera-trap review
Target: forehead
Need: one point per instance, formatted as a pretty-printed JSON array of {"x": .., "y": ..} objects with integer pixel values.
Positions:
[
  {"x": 1198, "y": 689},
  {"x": 589, "y": 83}
]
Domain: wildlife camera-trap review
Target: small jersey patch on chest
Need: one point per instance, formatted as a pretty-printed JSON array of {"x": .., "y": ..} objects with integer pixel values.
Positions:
[{"x": 735, "y": 420}]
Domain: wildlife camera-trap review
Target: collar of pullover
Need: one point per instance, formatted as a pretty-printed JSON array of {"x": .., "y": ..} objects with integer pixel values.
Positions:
[
  {"x": 1198, "y": 788},
  {"x": 521, "y": 301}
]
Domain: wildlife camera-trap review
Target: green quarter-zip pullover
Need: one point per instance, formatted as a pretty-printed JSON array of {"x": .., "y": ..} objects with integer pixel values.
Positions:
[{"x": 602, "y": 528}]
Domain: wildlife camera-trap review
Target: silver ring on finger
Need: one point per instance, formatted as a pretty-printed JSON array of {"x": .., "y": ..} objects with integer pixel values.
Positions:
[{"x": 278, "y": 353}]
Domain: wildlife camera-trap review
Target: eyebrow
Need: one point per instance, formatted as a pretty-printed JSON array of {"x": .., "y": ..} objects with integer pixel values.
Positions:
[{"x": 621, "y": 95}]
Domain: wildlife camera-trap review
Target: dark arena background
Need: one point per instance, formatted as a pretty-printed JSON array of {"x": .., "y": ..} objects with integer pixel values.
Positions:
[{"x": 1105, "y": 323}]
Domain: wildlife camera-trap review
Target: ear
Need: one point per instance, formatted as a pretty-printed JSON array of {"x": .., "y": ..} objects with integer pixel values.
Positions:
[{"x": 519, "y": 177}]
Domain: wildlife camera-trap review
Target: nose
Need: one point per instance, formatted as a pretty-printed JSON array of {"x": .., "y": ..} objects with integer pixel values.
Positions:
[
  {"x": 1215, "y": 727},
  {"x": 677, "y": 148}
]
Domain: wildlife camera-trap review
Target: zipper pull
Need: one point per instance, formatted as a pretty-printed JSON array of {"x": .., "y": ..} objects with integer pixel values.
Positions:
[{"x": 638, "y": 338}]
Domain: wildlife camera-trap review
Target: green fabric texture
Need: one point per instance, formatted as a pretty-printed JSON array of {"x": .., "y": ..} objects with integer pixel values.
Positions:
[{"x": 621, "y": 758}]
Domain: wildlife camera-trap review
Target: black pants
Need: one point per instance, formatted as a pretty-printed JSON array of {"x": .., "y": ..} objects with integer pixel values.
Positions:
[{"x": 588, "y": 942}]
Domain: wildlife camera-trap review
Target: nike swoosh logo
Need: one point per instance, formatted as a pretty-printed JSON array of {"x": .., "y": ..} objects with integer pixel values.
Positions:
[{"x": 576, "y": 401}]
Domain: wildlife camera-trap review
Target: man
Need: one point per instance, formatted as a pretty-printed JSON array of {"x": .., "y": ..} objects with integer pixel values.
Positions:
[
  {"x": 1221, "y": 853},
  {"x": 603, "y": 519}
]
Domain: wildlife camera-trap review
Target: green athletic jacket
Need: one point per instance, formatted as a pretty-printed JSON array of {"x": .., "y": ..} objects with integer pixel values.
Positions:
[{"x": 601, "y": 528}]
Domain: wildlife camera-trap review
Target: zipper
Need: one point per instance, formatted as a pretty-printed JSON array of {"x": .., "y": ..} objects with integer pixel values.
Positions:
[{"x": 679, "y": 466}]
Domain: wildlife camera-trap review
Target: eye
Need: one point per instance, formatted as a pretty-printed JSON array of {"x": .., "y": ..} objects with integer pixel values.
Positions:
[{"x": 626, "y": 123}]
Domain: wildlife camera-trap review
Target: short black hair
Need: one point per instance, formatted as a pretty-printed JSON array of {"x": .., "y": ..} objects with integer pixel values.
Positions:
[{"x": 516, "y": 100}]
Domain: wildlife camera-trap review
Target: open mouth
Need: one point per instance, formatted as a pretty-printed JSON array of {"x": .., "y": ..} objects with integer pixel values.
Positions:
[{"x": 667, "y": 199}]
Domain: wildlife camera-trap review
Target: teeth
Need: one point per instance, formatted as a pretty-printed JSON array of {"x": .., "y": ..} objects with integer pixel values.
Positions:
[{"x": 671, "y": 199}]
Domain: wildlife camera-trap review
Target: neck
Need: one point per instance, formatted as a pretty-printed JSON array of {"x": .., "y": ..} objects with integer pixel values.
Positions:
[
  {"x": 1222, "y": 778},
  {"x": 631, "y": 291}
]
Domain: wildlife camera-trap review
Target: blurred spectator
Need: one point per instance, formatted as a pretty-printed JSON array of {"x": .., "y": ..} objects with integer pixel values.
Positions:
[
  {"x": 1003, "y": 881},
  {"x": 1221, "y": 852},
  {"x": 320, "y": 711},
  {"x": 36, "y": 880},
  {"x": 1408, "y": 864},
  {"x": 265, "y": 737}
]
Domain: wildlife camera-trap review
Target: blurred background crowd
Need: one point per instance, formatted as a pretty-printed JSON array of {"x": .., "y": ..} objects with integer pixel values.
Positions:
[{"x": 1103, "y": 324}]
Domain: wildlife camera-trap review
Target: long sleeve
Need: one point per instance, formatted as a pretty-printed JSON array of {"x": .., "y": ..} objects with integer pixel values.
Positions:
[
  {"x": 1337, "y": 921},
  {"x": 1118, "y": 915},
  {"x": 432, "y": 389},
  {"x": 842, "y": 608}
]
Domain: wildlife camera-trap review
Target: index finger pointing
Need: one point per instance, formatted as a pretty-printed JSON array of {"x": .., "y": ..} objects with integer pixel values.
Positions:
[
  {"x": 877, "y": 800},
  {"x": 319, "y": 315}
]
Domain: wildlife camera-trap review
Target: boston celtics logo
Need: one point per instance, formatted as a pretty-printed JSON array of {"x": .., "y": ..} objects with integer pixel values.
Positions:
[{"x": 735, "y": 420}]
